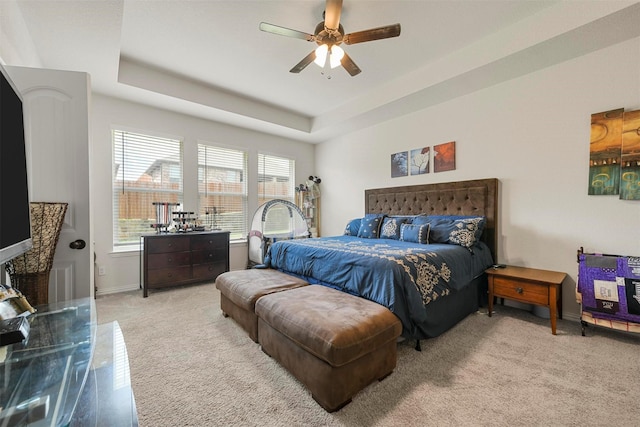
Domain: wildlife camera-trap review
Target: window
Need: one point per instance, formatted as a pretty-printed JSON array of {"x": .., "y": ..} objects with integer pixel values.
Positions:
[
  {"x": 276, "y": 176},
  {"x": 146, "y": 169},
  {"x": 222, "y": 189}
]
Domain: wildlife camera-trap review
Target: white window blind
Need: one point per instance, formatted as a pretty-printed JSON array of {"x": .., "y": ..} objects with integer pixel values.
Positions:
[
  {"x": 276, "y": 178},
  {"x": 222, "y": 189},
  {"x": 146, "y": 169}
]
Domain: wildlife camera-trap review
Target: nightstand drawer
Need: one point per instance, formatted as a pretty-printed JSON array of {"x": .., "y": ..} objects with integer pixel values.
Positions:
[{"x": 521, "y": 291}]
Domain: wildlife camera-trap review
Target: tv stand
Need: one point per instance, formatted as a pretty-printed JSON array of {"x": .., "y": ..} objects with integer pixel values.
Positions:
[{"x": 64, "y": 372}]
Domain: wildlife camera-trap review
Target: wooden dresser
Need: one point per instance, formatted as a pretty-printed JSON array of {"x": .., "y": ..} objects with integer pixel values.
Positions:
[{"x": 180, "y": 259}]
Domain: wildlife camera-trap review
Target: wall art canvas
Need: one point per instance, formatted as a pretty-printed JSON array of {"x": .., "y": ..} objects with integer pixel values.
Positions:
[
  {"x": 630, "y": 159},
  {"x": 605, "y": 151},
  {"x": 399, "y": 164},
  {"x": 419, "y": 161},
  {"x": 444, "y": 157}
]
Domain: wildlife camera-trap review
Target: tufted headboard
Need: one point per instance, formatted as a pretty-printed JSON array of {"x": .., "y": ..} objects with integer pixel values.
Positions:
[{"x": 475, "y": 197}]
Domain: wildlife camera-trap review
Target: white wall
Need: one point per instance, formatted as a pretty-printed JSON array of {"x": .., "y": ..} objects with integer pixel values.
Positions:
[
  {"x": 16, "y": 46},
  {"x": 532, "y": 133},
  {"x": 122, "y": 268}
]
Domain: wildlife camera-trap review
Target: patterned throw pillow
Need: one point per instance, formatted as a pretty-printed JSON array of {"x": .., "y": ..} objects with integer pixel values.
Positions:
[
  {"x": 415, "y": 233},
  {"x": 391, "y": 227},
  {"x": 370, "y": 226},
  {"x": 352, "y": 227},
  {"x": 458, "y": 230}
]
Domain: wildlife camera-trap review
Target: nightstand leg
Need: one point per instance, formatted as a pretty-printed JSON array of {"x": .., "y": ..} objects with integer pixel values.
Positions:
[
  {"x": 560, "y": 304},
  {"x": 490, "y": 296},
  {"x": 553, "y": 307}
]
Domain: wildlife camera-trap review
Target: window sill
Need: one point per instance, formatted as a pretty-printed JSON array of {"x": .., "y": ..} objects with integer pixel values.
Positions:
[
  {"x": 134, "y": 249},
  {"x": 123, "y": 251}
]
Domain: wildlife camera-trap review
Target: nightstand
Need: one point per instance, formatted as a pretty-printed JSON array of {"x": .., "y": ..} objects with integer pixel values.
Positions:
[{"x": 528, "y": 285}]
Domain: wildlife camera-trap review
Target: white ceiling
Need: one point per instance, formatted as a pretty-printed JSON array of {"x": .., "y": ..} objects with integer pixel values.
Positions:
[{"x": 209, "y": 59}]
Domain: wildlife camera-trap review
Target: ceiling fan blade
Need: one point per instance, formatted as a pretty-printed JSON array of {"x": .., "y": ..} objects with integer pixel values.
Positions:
[
  {"x": 332, "y": 12},
  {"x": 349, "y": 65},
  {"x": 372, "y": 34},
  {"x": 303, "y": 64},
  {"x": 287, "y": 32}
]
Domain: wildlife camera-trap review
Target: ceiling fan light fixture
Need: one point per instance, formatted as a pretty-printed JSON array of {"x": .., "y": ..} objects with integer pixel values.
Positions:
[
  {"x": 328, "y": 34},
  {"x": 321, "y": 55},
  {"x": 335, "y": 55}
]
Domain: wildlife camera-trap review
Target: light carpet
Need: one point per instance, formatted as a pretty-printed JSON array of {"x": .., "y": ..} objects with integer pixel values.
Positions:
[{"x": 190, "y": 366}]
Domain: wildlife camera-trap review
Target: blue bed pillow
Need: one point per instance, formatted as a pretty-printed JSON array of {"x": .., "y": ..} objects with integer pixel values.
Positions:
[
  {"x": 391, "y": 227},
  {"x": 374, "y": 215},
  {"x": 370, "y": 226},
  {"x": 415, "y": 233},
  {"x": 459, "y": 230},
  {"x": 420, "y": 219},
  {"x": 408, "y": 219},
  {"x": 352, "y": 227}
]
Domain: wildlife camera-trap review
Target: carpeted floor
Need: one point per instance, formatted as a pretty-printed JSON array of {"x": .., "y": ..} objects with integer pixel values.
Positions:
[{"x": 192, "y": 367}]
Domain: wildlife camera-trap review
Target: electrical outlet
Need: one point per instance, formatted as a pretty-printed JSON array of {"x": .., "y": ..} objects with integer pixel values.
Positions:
[{"x": 102, "y": 270}]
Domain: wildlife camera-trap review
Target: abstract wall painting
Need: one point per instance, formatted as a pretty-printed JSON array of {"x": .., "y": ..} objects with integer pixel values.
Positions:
[
  {"x": 630, "y": 159},
  {"x": 614, "y": 154},
  {"x": 605, "y": 150},
  {"x": 444, "y": 157},
  {"x": 419, "y": 161},
  {"x": 399, "y": 164}
]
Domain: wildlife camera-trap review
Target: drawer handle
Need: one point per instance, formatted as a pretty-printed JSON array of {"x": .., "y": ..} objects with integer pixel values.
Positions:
[
  {"x": 170, "y": 260},
  {"x": 519, "y": 290},
  {"x": 210, "y": 255}
]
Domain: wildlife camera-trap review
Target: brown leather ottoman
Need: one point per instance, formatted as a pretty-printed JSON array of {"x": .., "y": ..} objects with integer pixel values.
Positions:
[
  {"x": 334, "y": 343},
  {"x": 239, "y": 291}
]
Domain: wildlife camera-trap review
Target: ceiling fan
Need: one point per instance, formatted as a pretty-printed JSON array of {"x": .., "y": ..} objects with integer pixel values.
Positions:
[{"x": 329, "y": 34}]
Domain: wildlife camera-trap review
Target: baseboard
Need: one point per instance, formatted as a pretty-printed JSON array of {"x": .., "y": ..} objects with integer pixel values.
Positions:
[
  {"x": 115, "y": 290},
  {"x": 573, "y": 317}
]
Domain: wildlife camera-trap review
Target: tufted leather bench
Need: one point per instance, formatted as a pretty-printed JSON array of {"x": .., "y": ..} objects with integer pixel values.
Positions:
[
  {"x": 334, "y": 343},
  {"x": 239, "y": 291}
]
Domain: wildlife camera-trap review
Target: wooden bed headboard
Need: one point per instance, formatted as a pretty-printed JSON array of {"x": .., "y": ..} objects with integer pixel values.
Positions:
[{"x": 475, "y": 197}]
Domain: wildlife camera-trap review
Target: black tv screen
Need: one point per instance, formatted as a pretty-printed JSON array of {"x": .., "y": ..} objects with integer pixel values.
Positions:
[{"x": 15, "y": 221}]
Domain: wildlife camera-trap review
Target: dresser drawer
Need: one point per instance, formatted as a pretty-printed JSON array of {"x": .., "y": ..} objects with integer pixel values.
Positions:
[
  {"x": 167, "y": 276},
  {"x": 521, "y": 291},
  {"x": 211, "y": 241},
  {"x": 167, "y": 244},
  {"x": 209, "y": 271},
  {"x": 208, "y": 256},
  {"x": 169, "y": 259}
]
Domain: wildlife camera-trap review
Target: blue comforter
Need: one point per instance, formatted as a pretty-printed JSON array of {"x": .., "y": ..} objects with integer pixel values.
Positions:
[{"x": 403, "y": 276}]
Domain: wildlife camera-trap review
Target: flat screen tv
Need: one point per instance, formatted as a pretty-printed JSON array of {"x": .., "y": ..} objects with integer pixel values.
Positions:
[{"x": 15, "y": 220}]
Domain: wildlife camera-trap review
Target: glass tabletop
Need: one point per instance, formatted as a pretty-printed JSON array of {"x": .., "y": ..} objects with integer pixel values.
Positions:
[{"x": 43, "y": 375}]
